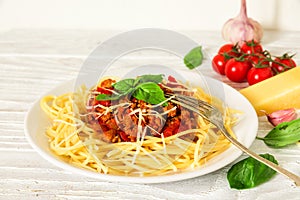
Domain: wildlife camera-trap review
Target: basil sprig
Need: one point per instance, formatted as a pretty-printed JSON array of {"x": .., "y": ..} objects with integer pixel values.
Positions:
[
  {"x": 149, "y": 92},
  {"x": 283, "y": 134},
  {"x": 249, "y": 172},
  {"x": 194, "y": 58},
  {"x": 142, "y": 88}
]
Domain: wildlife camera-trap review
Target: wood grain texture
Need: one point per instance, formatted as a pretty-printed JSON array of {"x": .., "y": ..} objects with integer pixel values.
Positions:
[{"x": 33, "y": 62}]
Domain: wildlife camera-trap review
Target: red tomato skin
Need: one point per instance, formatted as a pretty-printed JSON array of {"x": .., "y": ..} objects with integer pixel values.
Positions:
[
  {"x": 251, "y": 47},
  {"x": 172, "y": 79},
  {"x": 258, "y": 59},
  {"x": 106, "y": 103},
  {"x": 256, "y": 75},
  {"x": 230, "y": 49},
  {"x": 103, "y": 90},
  {"x": 219, "y": 63},
  {"x": 277, "y": 68},
  {"x": 123, "y": 136},
  {"x": 236, "y": 71}
]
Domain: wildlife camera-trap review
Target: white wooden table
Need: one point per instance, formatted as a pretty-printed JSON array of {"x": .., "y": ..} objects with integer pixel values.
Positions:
[{"x": 34, "y": 61}]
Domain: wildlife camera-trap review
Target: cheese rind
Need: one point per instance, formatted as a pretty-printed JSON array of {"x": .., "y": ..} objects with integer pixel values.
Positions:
[{"x": 279, "y": 92}]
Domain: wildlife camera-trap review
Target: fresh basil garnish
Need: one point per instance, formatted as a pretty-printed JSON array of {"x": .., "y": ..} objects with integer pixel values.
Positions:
[
  {"x": 194, "y": 58},
  {"x": 249, "y": 172},
  {"x": 283, "y": 134},
  {"x": 106, "y": 97},
  {"x": 142, "y": 88},
  {"x": 124, "y": 85},
  {"x": 149, "y": 92},
  {"x": 149, "y": 78}
]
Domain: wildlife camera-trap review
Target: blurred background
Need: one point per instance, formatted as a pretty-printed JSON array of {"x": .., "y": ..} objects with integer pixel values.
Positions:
[{"x": 131, "y": 14}]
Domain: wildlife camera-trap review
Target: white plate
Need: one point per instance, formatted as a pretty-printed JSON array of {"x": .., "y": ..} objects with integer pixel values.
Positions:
[{"x": 36, "y": 123}]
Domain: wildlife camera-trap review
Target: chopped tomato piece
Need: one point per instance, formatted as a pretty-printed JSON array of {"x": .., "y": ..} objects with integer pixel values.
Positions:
[
  {"x": 172, "y": 79},
  {"x": 124, "y": 137},
  {"x": 103, "y": 90}
]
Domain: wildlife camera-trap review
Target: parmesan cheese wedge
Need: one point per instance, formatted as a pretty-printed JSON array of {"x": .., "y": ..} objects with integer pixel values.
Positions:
[{"x": 279, "y": 92}]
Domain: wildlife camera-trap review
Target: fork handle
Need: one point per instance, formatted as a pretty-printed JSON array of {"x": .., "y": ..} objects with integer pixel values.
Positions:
[{"x": 277, "y": 168}]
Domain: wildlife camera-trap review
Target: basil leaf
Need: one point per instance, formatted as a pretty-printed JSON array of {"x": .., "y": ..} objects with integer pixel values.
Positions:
[
  {"x": 149, "y": 78},
  {"x": 106, "y": 97},
  {"x": 143, "y": 87},
  {"x": 149, "y": 92},
  {"x": 124, "y": 85},
  {"x": 283, "y": 134},
  {"x": 249, "y": 172},
  {"x": 194, "y": 58}
]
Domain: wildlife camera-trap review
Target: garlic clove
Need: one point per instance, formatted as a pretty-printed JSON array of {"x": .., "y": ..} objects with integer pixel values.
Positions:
[
  {"x": 241, "y": 28},
  {"x": 280, "y": 116}
]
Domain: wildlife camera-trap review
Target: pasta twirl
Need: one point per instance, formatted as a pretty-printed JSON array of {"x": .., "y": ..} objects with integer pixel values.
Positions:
[{"x": 151, "y": 152}]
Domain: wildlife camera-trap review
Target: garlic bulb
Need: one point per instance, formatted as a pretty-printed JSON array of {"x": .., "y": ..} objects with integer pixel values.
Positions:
[{"x": 241, "y": 28}]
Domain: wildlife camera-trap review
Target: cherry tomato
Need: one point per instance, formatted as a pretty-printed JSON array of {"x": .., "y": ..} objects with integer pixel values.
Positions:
[
  {"x": 251, "y": 47},
  {"x": 256, "y": 75},
  {"x": 283, "y": 63},
  {"x": 258, "y": 59},
  {"x": 218, "y": 64},
  {"x": 236, "y": 70},
  {"x": 229, "y": 49}
]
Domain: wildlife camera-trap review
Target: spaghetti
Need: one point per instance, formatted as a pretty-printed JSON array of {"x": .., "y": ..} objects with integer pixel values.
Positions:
[{"x": 73, "y": 136}]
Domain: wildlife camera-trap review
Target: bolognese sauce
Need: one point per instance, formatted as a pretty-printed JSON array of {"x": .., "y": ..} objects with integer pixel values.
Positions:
[{"x": 122, "y": 123}]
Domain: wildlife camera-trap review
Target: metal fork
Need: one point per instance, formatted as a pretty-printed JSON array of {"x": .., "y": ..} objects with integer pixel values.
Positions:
[{"x": 215, "y": 116}]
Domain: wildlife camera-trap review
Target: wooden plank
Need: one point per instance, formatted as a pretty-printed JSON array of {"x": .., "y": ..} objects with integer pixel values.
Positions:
[{"x": 31, "y": 63}]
